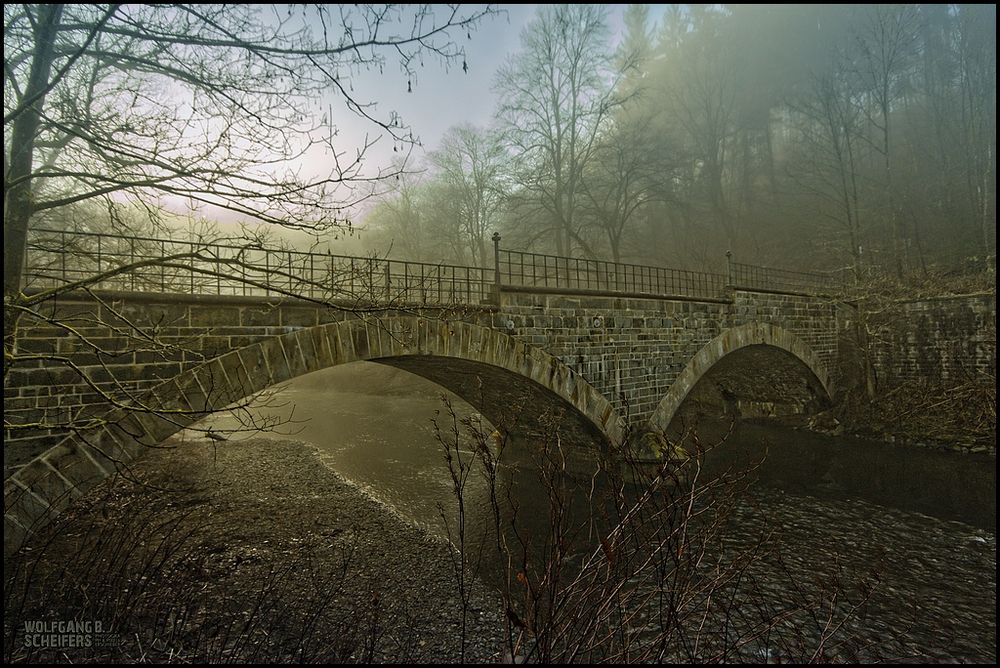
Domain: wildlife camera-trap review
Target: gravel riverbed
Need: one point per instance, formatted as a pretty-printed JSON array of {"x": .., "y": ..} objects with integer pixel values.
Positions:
[{"x": 269, "y": 522}]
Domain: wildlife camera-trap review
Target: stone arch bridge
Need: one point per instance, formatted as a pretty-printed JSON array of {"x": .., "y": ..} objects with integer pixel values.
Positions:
[{"x": 607, "y": 359}]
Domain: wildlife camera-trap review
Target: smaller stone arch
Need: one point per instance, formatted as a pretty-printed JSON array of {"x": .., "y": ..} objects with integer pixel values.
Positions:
[{"x": 743, "y": 336}]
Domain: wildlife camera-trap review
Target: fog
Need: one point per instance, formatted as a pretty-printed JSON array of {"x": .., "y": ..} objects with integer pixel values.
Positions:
[
  {"x": 813, "y": 136},
  {"x": 854, "y": 137}
]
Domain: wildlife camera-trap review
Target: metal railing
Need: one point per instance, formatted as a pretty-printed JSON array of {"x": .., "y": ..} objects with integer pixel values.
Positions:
[
  {"x": 535, "y": 270},
  {"x": 753, "y": 277},
  {"x": 141, "y": 264}
]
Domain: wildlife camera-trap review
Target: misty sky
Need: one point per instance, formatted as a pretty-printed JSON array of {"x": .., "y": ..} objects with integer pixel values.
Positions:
[{"x": 443, "y": 98}]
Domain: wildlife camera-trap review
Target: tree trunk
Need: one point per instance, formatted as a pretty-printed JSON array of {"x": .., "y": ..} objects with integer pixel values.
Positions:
[{"x": 18, "y": 201}]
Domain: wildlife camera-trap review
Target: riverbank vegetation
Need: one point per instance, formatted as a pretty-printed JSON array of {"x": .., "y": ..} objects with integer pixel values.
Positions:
[{"x": 252, "y": 551}]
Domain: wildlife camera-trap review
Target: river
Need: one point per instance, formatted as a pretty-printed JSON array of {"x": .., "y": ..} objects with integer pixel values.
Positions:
[{"x": 926, "y": 519}]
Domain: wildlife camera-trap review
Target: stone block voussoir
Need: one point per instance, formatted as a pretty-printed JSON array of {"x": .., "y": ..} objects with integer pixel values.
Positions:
[
  {"x": 215, "y": 384},
  {"x": 22, "y": 506},
  {"x": 293, "y": 354},
  {"x": 75, "y": 465},
  {"x": 307, "y": 348},
  {"x": 339, "y": 340},
  {"x": 254, "y": 364},
  {"x": 321, "y": 347},
  {"x": 45, "y": 482}
]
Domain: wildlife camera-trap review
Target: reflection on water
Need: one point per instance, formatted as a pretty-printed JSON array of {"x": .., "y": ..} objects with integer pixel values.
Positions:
[
  {"x": 940, "y": 484},
  {"x": 929, "y": 517}
]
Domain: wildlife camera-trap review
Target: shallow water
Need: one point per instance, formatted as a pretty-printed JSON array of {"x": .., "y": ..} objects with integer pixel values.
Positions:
[{"x": 926, "y": 519}]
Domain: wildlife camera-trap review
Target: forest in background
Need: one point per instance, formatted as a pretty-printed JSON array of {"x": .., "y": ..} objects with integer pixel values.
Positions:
[
  {"x": 850, "y": 138},
  {"x": 836, "y": 137}
]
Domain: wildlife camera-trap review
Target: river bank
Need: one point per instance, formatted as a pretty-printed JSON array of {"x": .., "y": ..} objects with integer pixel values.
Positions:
[
  {"x": 254, "y": 550},
  {"x": 829, "y": 424}
]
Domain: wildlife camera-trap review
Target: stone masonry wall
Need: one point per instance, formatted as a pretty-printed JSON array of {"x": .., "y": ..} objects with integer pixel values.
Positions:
[
  {"x": 197, "y": 327},
  {"x": 630, "y": 349},
  {"x": 812, "y": 319},
  {"x": 938, "y": 340}
]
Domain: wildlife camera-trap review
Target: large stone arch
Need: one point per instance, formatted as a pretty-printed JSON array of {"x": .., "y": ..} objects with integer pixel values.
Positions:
[
  {"x": 448, "y": 352},
  {"x": 737, "y": 338}
]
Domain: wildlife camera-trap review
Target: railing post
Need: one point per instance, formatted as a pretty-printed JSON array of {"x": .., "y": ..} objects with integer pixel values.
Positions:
[
  {"x": 371, "y": 280},
  {"x": 496, "y": 267},
  {"x": 730, "y": 281}
]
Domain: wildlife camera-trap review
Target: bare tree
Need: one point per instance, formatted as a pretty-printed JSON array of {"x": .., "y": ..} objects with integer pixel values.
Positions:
[
  {"x": 471, "y": 161},
  {"x": 977, "y": 70},
  {"x": 885, "y": 44},
  {"x": 557, "y": 95},
  {"x": 623, "y": 178},
  {"x": 113, "y": 110},
  {"x": 832, "y": 154},
  {"x": 398, "y": 221},
  {"x": 697, "y": 78},
  {"x": 213, "y": 104}
]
